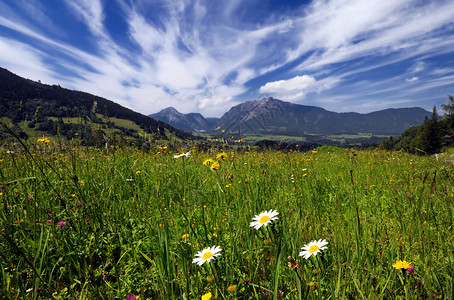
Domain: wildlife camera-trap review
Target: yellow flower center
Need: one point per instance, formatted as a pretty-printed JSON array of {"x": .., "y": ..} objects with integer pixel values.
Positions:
[
  {"x": 264, "y": 219},
  {"x": 207, "y": 255},
  {"x": 313, "y": 248}
]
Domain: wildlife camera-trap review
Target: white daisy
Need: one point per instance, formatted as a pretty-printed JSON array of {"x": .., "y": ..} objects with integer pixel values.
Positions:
[
  {"x": 206, "y": 255},
  {"x": 264, "y": 218},
  {"x": 313, "y": 248},
  {"x": 187, "y": 154}
]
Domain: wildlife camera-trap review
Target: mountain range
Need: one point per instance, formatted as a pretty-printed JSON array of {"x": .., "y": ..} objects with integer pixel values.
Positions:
[
  {"x": 277, "y": 117},
  {"x": 31, "y": 106}
]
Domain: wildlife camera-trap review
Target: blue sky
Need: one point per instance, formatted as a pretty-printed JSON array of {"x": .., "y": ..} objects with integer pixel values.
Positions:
[{"x": 207, "y": 56}]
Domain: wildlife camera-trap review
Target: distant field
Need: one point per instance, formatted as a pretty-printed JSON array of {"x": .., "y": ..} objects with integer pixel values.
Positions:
[{"x": 88, "y": 223}]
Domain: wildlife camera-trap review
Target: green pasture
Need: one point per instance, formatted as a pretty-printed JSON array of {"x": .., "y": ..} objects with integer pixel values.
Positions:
[{"x": 87, "y": 223}]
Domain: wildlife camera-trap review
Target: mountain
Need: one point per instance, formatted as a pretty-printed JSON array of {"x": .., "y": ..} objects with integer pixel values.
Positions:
[
  {"x": 46, "y": 107},
  {"x": 194, "y": 122},
  {"x": 273, "y": 116}
]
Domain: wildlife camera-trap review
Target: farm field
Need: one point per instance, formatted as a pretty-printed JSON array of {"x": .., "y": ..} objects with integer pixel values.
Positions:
[{"x": 175, "y": 223}]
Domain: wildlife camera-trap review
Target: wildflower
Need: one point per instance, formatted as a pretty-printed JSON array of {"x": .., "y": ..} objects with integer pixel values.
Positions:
[
  {"x": 131, "y": 296},
  {"x": 61, "y": 223},
  {"x": 313, "y": 248},
  {"x": 138, "y": 172},
  {"x": 222, "y": 155},
  {"x": 187, "y": 154},
  {"x": 79, "y": 204},
  {"x": 185, "y": 236},
  {"x": 401, "y": 264},
  {"x": 206, "y": 255},
  {"x": 411, "y": 270},
  {"x": 49, "y": 221},
  {"x": 231, "y": 288},
  {"x": 292, "y": 264},
  {"x": 215, "y": 166},
  {"x": 264, "y": 218},
  {"x": 207, "y": 296},
  {"x": 208, "y": 162}
]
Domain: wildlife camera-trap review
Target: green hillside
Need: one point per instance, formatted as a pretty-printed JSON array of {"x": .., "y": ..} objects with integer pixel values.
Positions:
[{"x": 34, "y": 109}]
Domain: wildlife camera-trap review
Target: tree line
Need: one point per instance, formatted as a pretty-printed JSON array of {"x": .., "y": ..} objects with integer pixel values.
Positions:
[{"x": 435, "y": 133}]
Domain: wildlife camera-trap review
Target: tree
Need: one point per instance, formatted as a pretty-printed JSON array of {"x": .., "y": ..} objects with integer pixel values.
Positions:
[
  {"x": 429, "y": 136},
  {"x": 449, "y": 109}
]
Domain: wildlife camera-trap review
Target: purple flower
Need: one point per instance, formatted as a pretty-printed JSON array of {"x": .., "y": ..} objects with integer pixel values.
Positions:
[
  {"x": 80, "y": 204},
  {"x": 2, "y": 186},
  {"x": 29, "y": 197},
  {"x": 49, "y": 221},
  {"x": 411, "y": 270},
  {"x": 61, "y": 223},
  {"x": 131, "y": 296}
]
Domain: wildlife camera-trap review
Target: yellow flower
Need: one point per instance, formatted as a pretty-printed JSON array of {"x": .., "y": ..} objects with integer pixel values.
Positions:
[
  {"x": 401, "y": 264},
  {"x": 73, "y": 195},
  {"x": 222, "y": 155},
  {"x": 207, "y": 296},
  {"x": 208, "y": 162},
  {"x": 215, "y": 166},
  {"x": 185, "y": 236},
  {"x": 138, "y": 172},
  {"x": 231, "y": 288}
]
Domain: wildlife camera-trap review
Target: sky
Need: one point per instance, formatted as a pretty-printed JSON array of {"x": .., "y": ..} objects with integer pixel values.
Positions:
[{"x": 207, "y": 56}]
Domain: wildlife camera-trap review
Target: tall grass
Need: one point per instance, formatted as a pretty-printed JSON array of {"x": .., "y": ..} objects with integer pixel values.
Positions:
[{"x": 135, "y": 220}]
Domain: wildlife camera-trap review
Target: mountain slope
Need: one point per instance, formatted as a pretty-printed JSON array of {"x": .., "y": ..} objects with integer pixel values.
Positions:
[
  {"x": 272, "y": 116},
  {"x": 191, "y": 122},
  {"x": 20, "y": 99}
]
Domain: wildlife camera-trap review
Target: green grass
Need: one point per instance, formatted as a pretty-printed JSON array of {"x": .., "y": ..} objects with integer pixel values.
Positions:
[{"x": 127, "y": 211}]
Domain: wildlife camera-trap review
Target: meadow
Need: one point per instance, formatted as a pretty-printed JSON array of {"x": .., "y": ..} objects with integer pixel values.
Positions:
[{"x": 88, "y": 223}]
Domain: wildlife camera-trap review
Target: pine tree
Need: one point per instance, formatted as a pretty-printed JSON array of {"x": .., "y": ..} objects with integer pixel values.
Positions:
[
  {"x": 429, "y": 136},
  {"x": 449, "y": 109}
]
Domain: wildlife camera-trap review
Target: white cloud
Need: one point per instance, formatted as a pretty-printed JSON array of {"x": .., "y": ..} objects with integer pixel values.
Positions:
[
  {"x": 91, "y": 12},
  {"x": 414, "y": 78},
  {"x": 291, "y": 89},
  {"x": 417, "y": 67}
]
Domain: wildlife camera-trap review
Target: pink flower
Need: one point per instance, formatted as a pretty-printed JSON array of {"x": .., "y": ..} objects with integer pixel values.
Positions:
[
  {"x": 61, "y": 223},
  {"x": 49, "y": 221},
  {"x": 131, "y": 296},
  {"x": 411, "y": 270}
]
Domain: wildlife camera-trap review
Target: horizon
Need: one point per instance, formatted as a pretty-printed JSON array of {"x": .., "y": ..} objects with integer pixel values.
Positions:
[
  {"x": 171, "y": 107},
  {"x": 199, "y": 57}
]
